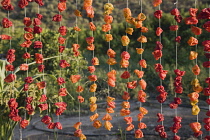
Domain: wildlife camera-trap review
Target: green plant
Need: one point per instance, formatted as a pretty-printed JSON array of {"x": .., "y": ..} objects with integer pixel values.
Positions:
[{"x": 15, "y": 89}]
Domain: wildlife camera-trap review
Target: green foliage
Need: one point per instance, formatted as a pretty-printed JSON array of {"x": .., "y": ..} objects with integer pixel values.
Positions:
[
  {"x": 2, "y": 74},
  {"x": 51, "y": 61}
]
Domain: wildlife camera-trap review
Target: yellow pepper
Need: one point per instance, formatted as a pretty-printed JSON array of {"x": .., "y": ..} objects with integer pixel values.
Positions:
[
  {"x": 195, "y": 82},
  {"x": 195, "y": 110},
  {"x": 194, "y": 102},
  {"x": 92, "y": 100}
]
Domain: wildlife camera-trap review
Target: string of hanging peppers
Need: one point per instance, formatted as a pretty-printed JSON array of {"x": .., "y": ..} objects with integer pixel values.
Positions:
[
  {"x": 140, "y": 73},
  {"x": 111, "y": 75},
  {"x": 157, "y": 53}
]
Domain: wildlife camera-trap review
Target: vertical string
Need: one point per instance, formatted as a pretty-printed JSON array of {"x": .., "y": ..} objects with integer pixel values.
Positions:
[
  {"x": 176, "y": 42},
  {"x": 175, "y": 94},
  {"x": 92, "y": 36},
  {"x": 127, "y": 49},
  {"x": 160, "y": 39},
  {"x": 140, "y": 2},
  {"x": 26, "y": 50},
  {"x": 40, "y": 39},
  {"x": 109, "y": 65},
  {"x": 209, "y": 96},
  {"x": 196, "y": 63},
  {"x": 140, "y": 104},
  {"x": 195, "y": 3},
  {"x": 94, "y": 93},
  {"x": 196, "y": 48},
  {"x": 127, "y": 4},
  {"x": 13, "y": 83},
  {"x": 60, "y": 74},
  {"x": 10, "y": 47},
  {"x": 161, "y": 82},
  {"x": 77, "y": 37},
  {"x": 176, "y": 63},
  {"x": 21, "y": 133},
  {"x": 38, "y": 8},
  {"x": 10, "y": 41},
  {"x": 126, "y": 26},
  {"x": 43, "y": 71},
  {"x": 77, "y": 41}
]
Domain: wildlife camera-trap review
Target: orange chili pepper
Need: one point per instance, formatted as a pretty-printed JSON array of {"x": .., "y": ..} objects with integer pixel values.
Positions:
[
  {"x": 195, "y": 126},
  {"x": 127, "y": 13},
  {"x": 108, "y": 37},
  {"x": 125, "y": 40},
  {"x": 144, "y": 29},
  {"x": 97, "y": 124},
  {"x": 143, "y": 84},
  {"x": 129, "y": 127},
  {"x": 124, "y": 112},
  {"x": 77, "y": 125},
  {"x": 139, "y": 50},
  {"x": 193, "y": 55},
  {"x": 93, "y": 107},
  {"x": 108, "y": 125},
  {"x": 109, "y": 110},
  {"x": 77, "y": 13},
  {"x": 142, "y": 125},
  {"x": 107, "y": 117},
  {"x": 140, "y": 74},
  {"x": 129, "y": 31},
  {"x": 143, "y": 110},
  {"x": 142, "y": 17},
  {"x": 125, "y": 104},
  {"x": 142, "y": 39},
  {"x": 196, "y": 70},
  {"x": 192, "y": 41},
  {"x": 94, "y": 117},
  {"x": 111, "y": 61}
]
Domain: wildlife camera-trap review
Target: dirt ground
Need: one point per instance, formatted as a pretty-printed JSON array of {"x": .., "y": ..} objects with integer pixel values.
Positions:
[{"x": 38, "y": 131}]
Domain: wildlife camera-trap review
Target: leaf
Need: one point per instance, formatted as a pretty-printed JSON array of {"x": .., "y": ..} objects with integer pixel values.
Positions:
[
  {"x": 2, "y": 73},
  {"x": 18, "y": 69},
  {"x": 70, "y": 95},
  {"x": 52, "y": 76}
]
